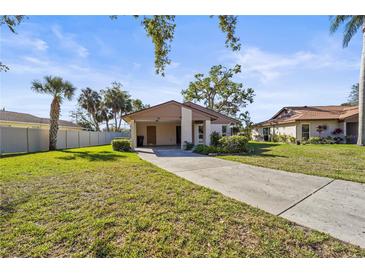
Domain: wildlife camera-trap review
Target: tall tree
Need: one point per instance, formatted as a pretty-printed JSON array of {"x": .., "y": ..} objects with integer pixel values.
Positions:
[
  {"x": 119, "y": 101},
  {"x": 353, "y": 99},
  {"x": 352, "y": 25},
  {"x": 59, "y": 89},
  {"x": 11, "y": 21},
  {"x": 138, "y": 105},
  {"x": 90, "y": 100},
  {"x": 218, "y": 91},
  {"x": 105, "y": 115},
  {"x": 161, "y": 29}
]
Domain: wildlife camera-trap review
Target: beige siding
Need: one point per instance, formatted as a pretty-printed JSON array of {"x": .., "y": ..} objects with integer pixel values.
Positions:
[
  {"x": 218, "y": 128},
  {"x": 331, "y": 126},
  {"x": 289, "y": 129},
  {"x": 165, "y": 132}
]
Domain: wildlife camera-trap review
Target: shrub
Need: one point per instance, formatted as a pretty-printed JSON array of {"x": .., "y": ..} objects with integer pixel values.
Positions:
[
  {"x": 233, "y": 144},
  {"x": 188, "y": 145},
  {"x": 324, "y": 140},
  {"x": 204, "y": 149},
  {"x": 214, "y": 138},
  {"x": 283, "y": 138},
  {"x": 121, "y": 144}
]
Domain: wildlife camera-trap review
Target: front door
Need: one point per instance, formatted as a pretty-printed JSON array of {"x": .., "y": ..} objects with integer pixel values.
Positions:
[
  {"x": 178, "y": 135},
  {"x": 151, "y": 135}
]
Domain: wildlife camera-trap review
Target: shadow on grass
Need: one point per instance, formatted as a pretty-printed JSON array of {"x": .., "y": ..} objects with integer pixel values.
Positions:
[
  {"x": 259, "y": 149},
  {"x": 91, "y": 156}
]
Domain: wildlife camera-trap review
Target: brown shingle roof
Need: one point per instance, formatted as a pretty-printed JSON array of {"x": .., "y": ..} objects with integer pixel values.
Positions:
[
  {"x": 292, "y": 114},
  {"x": 221, "y": 117},
  {"x": 12, "y": 116}
]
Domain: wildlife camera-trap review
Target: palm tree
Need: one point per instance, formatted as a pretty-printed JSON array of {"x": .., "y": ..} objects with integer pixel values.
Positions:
[
  {"x": 352, "y": 25},
  {"x": 119, "y": 101},
  {"x": 90, "y": 100},
  {"x": 59, "y": 89}
]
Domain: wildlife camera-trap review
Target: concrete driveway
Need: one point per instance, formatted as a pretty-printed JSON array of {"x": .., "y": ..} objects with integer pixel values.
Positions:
[{"x": 332, "y": 206}]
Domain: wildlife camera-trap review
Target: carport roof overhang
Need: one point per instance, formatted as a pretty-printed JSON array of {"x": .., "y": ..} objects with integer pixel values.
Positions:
[{"x": 168, "y": 111}]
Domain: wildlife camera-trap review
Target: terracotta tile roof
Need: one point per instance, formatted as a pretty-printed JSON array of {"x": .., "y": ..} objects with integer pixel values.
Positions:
[
  {"x": 12, "y": 116},
  {"x": 292, "y": 114}
]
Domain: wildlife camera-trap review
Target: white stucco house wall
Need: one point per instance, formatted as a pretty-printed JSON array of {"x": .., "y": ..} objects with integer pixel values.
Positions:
[
  {"x": 173, "y": 123},
  {"x": 304, "y": 122}
]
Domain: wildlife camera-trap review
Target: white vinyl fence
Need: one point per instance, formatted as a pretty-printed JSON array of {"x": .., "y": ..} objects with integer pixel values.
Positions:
[{"x": 16, "y": 140}]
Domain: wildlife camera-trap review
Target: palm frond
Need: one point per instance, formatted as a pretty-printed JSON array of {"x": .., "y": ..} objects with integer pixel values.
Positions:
[
  {"x": 337, "y": 21},
  {"x": 351, "y": 28},
  {"x": 37, "y": 86}
]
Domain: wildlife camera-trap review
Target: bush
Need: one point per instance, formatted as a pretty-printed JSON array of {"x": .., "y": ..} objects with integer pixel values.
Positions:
[
  {"x": 204, "y": 149},
  {"x": 283, "y": 138},
  {"x": 324, "y": 140},
  {"x": 188, "y": 145},
  {"x": 121, "y": 144},
  {"x": 233, "y": 144},
  {"x": 214, "y": 138}
]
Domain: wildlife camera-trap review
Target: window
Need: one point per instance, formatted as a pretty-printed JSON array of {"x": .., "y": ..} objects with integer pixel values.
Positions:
[
  {"x": 266, "y": 133},
  {"x": 224, "y": 130},
  {"x": 305, "y": 131},
  {"x": 201, "y": 134}
]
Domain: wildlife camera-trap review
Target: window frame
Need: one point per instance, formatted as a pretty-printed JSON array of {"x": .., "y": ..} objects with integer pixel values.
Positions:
[
  {"x": 303, "y": 138},
  {"x": 224, "y": 132}
]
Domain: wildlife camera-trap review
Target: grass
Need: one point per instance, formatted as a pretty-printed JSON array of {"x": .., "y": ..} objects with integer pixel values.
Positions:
[
  {"x": 345, "y": 162},
  {"x": 93, "y": 202}
]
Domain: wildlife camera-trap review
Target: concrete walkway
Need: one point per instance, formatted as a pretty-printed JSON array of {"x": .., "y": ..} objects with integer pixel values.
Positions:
[{"x": 333, "y": 206}]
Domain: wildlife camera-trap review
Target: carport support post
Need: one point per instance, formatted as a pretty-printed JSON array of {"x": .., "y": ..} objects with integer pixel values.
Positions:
[
  {"x": 186, "y": 126},
  {"x": 133, "y": 127},
  {"x": 207, "y": 132}
]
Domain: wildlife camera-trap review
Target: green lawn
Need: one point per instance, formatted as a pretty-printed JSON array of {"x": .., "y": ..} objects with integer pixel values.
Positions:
[
  {"x": 93, "y": 202},
  {"x": 345, "y": 162}
]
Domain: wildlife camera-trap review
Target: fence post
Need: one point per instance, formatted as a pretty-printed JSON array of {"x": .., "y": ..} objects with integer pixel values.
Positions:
[
  {"x": 98, "y": 137},
  {"x": 66, "y": 138},
  {"x": 78, "y": 137},
  {"x": 27, "y": 135},
  {"x": 89, "y": 138}
]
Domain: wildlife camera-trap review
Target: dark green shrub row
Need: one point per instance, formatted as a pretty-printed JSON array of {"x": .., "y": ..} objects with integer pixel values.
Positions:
[
  {"x": 121, "y": 144},
  {"x": 283, "y": 138},
  {"x": 323, "y": 140},
  {"x": 204, "y": 149},
  {"x": 233, "y": 144},
  {"x": 227, "y": 144}
]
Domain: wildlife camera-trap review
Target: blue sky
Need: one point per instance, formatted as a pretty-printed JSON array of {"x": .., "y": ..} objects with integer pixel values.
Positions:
[{"x": 287, "y": 60}]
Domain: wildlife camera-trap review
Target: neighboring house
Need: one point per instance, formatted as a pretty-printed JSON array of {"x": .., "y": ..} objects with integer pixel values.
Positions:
[
  {"x": 24, "y": 120},
  {"x": 310, "y": 121},
  {"x": 173, "y": 123}
]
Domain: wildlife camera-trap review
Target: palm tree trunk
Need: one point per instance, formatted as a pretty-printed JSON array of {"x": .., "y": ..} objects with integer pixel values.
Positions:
[
  {"x": 107, "y": 124},
  {"x": 53, "y": 127},
  {"x": 361, "y": 133}
]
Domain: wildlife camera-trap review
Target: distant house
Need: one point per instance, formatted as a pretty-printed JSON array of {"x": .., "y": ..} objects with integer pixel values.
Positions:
[
  {"x": 18, "y": 119},
  {"x": 309, "y": 121},
  {"x": 173, "y": 123}
]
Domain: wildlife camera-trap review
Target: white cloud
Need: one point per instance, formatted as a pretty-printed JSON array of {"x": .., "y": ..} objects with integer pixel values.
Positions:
[
  {"x": 68, "y": 41},
  {"x": 26, "y": 41},
  {"x": 267, "y": 66}
]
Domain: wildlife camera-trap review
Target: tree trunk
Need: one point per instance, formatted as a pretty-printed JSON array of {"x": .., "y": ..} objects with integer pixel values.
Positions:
[
  {"x": 107, "y": 124},
  {"x": 53, "y": 127},
  {"x": 361, "y": 131},
  {"x": 96, "y": 124}
]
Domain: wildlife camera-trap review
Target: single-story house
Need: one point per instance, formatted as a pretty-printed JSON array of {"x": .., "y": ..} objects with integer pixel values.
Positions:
[
  {"x": 174, "y": 123},
  {"x": 25, "y": 120},
  {"x": 310, "y": 121}
]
